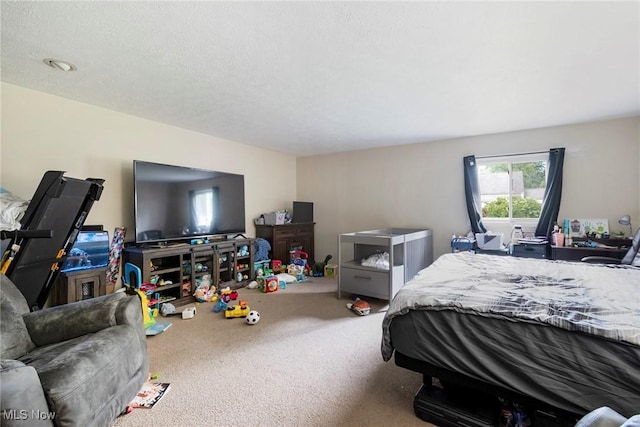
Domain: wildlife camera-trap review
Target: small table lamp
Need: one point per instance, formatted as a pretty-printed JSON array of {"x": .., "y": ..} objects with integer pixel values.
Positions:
[{"x": 626, "y": 220}]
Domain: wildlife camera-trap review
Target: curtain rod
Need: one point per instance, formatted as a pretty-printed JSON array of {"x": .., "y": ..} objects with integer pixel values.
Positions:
[{"x": 518, "y": 154}]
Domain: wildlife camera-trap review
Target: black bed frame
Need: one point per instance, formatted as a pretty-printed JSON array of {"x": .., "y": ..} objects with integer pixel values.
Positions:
[
  {"x": 50, "y": 225},
  {"x": 467, "y": 388}
]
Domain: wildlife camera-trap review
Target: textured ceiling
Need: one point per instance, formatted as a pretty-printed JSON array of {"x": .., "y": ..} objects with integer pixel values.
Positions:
[{"x": 319, "y": 77}]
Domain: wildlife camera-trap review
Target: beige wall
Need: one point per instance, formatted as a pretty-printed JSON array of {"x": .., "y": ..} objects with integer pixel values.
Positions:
[
  {"x": 417, "y": 185},
  {"x": 42, "y": 132},
  {"x": 421, "y": 185}
]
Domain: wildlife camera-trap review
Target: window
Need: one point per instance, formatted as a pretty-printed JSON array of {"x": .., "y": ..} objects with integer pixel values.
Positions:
[
  {"x": 512, "y": 187},
  {"x": 203, "y": 207}
]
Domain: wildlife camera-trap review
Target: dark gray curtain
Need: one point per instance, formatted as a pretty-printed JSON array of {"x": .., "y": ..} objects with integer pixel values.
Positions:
[
  {"x": 552, "y": 194},
  {"x": 472, "y": 194},
  {"x": 193, "y": 226}
]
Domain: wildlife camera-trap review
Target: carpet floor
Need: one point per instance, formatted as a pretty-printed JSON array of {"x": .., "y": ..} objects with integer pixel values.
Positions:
[{"x": 309, "y": 362}]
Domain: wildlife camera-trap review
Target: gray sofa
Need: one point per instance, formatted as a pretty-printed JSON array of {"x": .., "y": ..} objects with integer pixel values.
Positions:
[{"x": 77, "y": 364}]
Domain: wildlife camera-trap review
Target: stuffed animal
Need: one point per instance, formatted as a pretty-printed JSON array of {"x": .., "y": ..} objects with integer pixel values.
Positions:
[
  {"x": 318, "y": 267},
  {"x": 200, "y": 293},
  {"x": 360, "y": 307},
  {"x": 205, "y": 292}
]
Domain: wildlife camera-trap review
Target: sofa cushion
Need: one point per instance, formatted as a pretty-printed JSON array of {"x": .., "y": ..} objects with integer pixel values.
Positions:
[
  {"x": 77, "y": 374},
  {"x": 64, "y": 322},
  {"x": 15, "y": 340}
]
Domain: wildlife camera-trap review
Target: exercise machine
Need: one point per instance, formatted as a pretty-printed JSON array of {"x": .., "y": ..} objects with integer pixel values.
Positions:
[{"x": 50, "y": 225}]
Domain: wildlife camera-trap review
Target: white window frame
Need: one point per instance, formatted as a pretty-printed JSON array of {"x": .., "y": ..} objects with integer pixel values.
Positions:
[{"x": 510, "y": 159}]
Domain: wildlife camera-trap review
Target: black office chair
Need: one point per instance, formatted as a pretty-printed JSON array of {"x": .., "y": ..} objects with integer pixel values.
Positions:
[{"x": 632, "y": 257}]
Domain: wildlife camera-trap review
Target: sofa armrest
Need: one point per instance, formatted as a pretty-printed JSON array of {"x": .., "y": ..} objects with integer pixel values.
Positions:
[
  {"x": 22, "y": 401},
  {"x": 64, "y": 322},
  {"x": 129, "y": 311}
]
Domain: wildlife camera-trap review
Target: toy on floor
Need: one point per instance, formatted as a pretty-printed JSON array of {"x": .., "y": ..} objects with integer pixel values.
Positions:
[
  {"x": 277, "y": 266},
  {"x": 226, "y": 294},
  {"x": 240, "y": 310},
  {"x": 131, "y": 280},
  {"x": 360, "y": 307},
  {"x": 331, "y": 270},
  {"x": 268, "y": 284},
  {"x": 167, "y": 309},
  {"x": 205, "y": 292},
  {"x": 253, "y": 317},
  {"x": 318, "y": 267},
  {"x": 296, "y": 271},
  {"x": 219, "y": 306},
  {"x": 261, "y": 268},
  {"x": 300, "y": 258},
  {"x": 189, "y": 313}
]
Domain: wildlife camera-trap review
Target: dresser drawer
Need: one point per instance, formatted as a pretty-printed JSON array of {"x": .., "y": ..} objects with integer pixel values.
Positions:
[
  {"x": 304, "y": 230},
  {"x": 525, "y": 250},
  {"x": 284, "y": 232},
  {"x": 365, "y": 282}
]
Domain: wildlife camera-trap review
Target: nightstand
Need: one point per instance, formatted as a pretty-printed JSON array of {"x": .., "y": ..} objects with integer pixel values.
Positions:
[{"x": 79, "y": 285}]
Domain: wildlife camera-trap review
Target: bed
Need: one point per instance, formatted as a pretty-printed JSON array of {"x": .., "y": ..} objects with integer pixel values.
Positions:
[{"x": 565, "y": 334}]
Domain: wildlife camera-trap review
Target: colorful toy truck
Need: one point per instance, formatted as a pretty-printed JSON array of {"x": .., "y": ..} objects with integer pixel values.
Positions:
[
  {"x": 227, "y": 294},
  {"x": 240, "y": 310}
]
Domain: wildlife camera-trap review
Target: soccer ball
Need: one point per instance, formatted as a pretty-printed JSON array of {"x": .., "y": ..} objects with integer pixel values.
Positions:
[{"x": 253, "y": 317}]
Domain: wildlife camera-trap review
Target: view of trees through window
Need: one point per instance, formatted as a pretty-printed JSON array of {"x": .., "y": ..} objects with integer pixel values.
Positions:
[{"x": 512, "y": 189}]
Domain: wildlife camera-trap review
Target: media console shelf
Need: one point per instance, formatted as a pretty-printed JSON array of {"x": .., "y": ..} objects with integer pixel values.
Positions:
[
  {"x": 410, "y": 250},
  {"x": 185, "y": 265}
]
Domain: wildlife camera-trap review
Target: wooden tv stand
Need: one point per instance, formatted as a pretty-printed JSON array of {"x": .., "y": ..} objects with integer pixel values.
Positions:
[{"x": 185, "y": 265}]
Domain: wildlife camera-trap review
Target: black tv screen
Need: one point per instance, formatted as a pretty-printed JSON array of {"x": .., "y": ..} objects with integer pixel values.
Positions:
[{"x": 180, "y": 203}]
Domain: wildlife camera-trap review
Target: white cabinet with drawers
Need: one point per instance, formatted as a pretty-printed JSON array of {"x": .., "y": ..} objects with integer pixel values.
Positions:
[{"x": 408, "y": 251}]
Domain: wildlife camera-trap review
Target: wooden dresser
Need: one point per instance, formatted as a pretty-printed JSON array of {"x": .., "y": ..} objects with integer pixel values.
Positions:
[{"x": 286, "y": 237}]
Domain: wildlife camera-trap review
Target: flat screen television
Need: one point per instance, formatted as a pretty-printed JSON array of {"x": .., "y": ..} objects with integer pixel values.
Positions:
[
  {"x": 181, "y": 203},
  {"x": 90, "y": 250}
]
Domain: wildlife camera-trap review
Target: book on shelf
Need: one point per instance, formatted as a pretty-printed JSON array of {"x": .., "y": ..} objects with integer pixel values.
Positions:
[{"x": 150, "y": 394}]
